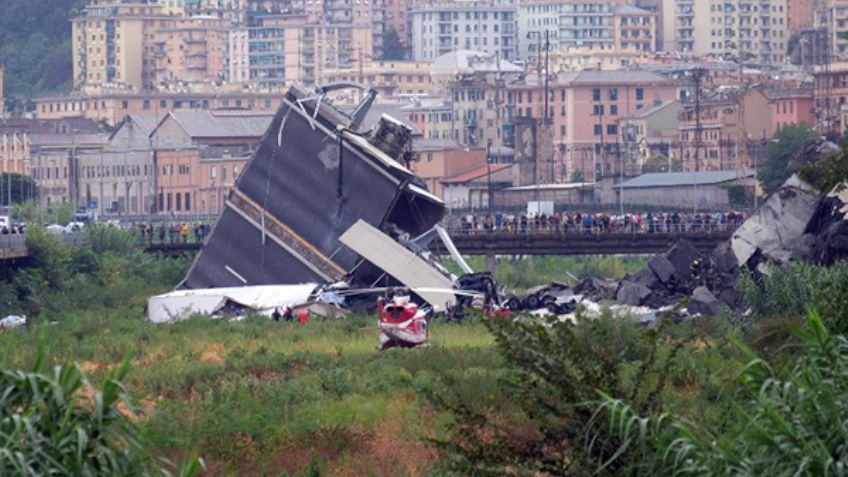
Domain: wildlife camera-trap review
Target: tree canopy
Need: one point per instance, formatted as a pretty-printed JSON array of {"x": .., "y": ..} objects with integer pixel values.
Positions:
[
  {"x": 660, "y": 163},
  {"x": 780, "y": 150},
  {"x": 35, "y": 46},
  {"x": 392, "y": 47}
]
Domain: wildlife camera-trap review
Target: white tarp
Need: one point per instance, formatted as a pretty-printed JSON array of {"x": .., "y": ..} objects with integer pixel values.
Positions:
[
  {"x": 181, "y": 304},
  {"x": 397, "y": 261}
]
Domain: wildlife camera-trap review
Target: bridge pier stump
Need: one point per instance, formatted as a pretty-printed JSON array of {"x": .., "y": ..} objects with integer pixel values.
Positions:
[{"x": 491, "y": 264}]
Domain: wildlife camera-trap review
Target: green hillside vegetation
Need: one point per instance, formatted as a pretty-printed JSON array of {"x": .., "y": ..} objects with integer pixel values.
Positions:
[
  {"x": 35, "y": 46},
  {"x": 761, "y": 394}
]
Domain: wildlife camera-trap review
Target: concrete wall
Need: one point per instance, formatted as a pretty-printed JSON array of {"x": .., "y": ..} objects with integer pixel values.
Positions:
[
  {"x": 520, "y": 198},
  {"x": 177, "y": 176},
  {"x": 707, "y": 196}
]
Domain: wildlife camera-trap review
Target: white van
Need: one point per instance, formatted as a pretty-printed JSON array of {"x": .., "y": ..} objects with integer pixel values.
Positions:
[{"x": 4, "y": 221}]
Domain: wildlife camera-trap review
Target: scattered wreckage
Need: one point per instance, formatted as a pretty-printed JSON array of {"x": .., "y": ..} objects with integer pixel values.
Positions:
[
  {"x": 324, "y": 213},
  {"x": 326, "y": 216}
]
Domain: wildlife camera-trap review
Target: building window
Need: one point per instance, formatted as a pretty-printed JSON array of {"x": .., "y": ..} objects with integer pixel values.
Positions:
[
  {"x": 179, "y": 201},
  {"x": 613, "y": 110},
  {"x": 170, "y": 201},
  {"x": 640, "y": 94},
  {"x": 188, "y": 202},
  {"x": 163, "y": 103},
  {"x": 146, "y": 104},
  {"x": 613, "y": 94},
  {"x": 596, "y": 94},
  {"x": 598, "y": 130},
  {"x": 612, "y": 129},
  {"x": 125, "y": 104}
]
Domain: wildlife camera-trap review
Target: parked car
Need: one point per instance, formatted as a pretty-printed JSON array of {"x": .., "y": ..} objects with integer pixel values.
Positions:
[
  {"x": 74, "y": 227},
  {"x": 55, "y": 229}
]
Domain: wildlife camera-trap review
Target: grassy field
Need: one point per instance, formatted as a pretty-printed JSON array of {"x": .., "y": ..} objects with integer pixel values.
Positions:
[
  {"x": 517, "y": 397},
  {"x": 264, "y": 398}
]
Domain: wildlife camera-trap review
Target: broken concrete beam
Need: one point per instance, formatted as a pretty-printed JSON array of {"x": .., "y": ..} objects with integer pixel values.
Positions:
[
  {"x": 703, "y": 302},
  {"x": 663, "y": 268},
  {"x": 782, "y": 218},
  {"x": 723, "y": 258},
  {"x": 830, "y": 226},
  {"x": 646, "y": 278},
  {"x": 630, "y": 293},
  {"x": 682, "y": 255}
]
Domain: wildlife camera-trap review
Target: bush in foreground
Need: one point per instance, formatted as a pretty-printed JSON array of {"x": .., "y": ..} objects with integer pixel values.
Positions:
[
  {"x": 54, "y": 422},
  {"x": 782, "y": 425}
]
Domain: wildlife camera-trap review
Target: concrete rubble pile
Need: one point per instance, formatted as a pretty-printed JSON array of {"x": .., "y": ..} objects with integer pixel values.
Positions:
[{"x": 794, "y": 224}]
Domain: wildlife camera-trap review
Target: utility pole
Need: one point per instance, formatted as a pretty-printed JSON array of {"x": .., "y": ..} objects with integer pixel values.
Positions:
[
  {"x": 547, "y": 74},
  {"x": 489, "y": 178},
  {"x": 697, "y": 76}
]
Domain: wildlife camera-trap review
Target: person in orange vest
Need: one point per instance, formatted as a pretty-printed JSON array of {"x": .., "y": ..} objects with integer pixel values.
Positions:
[{"x": 303, "y": 317}]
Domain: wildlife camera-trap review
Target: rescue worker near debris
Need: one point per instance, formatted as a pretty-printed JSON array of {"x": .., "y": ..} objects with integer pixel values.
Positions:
[
  {"x": 276, "y": 315},
  {"x": 288, "y": 314},
  {"x": 303, "y": 317},
  {"x": 696, "y": 269}
]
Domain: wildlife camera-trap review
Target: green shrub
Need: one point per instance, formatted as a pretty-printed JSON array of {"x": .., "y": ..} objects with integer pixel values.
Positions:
[
  {"x": 792, "y": 424},
  {"x": 535, "y": 422},
  {"x": 789, "y": 291},
  {"x": 54, "y": 422}
]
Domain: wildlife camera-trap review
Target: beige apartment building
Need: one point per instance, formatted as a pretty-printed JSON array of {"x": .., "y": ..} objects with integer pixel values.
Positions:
[
  {"x": 734, "y": 125},
  {"x": 834, "y": 17},
  {"x": 389, "y": 78},
  {"x": 576, "y": 59},
  {"x": 15, "y": 153},
  {"x": 585, "y": 109},
  {"x": 750, "y": 30},
  {"x": 113, "y": 107},
  {"x": 634, "y": 29},
  {"x": 114, "y": 44},
  {"x": 802, "y": 14},
  {"x": 191, "y": 51},
  {"x": 610, "y": 25},
  {"x": 286, "y": 49}
]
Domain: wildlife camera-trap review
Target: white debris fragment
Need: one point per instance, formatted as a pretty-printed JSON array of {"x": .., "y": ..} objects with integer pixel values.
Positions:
[{"x": 13, "y": 321}]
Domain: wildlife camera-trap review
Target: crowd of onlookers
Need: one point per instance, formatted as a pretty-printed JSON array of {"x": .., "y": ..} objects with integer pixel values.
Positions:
[
  {"x": 596, "y": 222},
  {"x": 171, "y": 233},
  {"x": 13, "y": 229}
]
